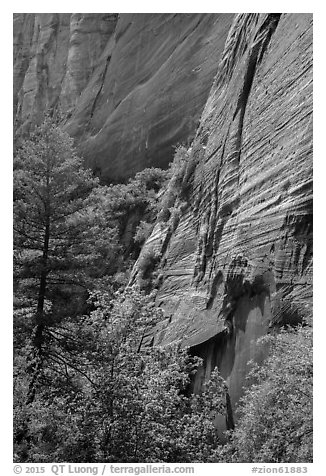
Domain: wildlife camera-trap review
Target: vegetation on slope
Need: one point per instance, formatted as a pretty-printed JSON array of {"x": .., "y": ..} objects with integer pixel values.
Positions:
[
  {"x": 85, "y": 390},
  {"x": 275, "y": 416}
]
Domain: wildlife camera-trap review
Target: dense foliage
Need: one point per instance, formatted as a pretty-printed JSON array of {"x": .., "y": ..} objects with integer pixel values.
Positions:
[
  {"x": 275, "y": 421},
  {"x": 84, "y": 388},
  {"x": 88, "y": 384},
  {"x": 110, "y": 401}
]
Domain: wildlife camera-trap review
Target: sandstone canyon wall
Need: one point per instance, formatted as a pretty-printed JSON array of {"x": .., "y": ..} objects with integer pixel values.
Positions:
[
  {"x": 132, "y": 85},
  {"x": 236, "y": 258},
  {"x": 237, "y": 261}
]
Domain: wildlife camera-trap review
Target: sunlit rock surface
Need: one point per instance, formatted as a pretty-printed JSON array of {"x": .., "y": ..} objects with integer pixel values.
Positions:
[
  {"x": 239, "y": 260},
  {"x": 133, "y": 85},
  {"x": 55, "y": 54}
]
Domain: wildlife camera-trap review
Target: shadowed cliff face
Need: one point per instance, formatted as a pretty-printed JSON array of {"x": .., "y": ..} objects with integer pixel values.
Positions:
[
  {"x": 239, "y": 260},
  {"x": 133, "y": 85},
  {"x": 54, "y": 57}
]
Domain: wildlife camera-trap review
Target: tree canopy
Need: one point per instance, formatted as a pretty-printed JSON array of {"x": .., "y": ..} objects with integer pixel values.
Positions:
[{"x": 85, "y": 388}]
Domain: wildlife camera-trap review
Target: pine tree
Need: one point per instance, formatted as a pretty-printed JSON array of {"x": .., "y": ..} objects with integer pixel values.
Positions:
[
  {"x": 132, "y": 404},
  {"x": 56, "y": 234}
]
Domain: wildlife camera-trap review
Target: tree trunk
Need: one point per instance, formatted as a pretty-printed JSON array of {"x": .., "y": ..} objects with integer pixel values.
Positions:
[{"x": 38, "y": 332}]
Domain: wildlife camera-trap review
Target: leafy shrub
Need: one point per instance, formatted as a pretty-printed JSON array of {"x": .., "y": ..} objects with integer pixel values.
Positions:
[
  {"x": 178, "y": 165},
  {"x": 175, "y": 173},
  {"x": 134, "y": 204},
  {"x": 150, "y": 178},
  {"x": 275, "y": 423},
  {"x": 116, "y": 401},
  {"x": 147, "y": 264},
  {"x": 143, "y": 231}
]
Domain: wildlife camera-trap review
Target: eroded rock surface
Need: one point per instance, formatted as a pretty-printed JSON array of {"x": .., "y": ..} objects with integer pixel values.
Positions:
[
  {"x": 236, "y": 253},
  {"x": 55, "y": 54},
  {"x": 133, "y": 85},
  {"x": 239, "y": 260}
]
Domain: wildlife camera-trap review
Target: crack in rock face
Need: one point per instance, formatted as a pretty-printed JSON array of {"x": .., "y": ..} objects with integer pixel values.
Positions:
[
  {"x": 239, "y": 261},
  {"x": 235, "y": 259},
  {"x": 132, "y": 86}
]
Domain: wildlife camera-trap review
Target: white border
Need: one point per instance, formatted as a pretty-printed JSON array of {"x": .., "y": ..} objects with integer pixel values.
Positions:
[{"x": 319, "y": 197}]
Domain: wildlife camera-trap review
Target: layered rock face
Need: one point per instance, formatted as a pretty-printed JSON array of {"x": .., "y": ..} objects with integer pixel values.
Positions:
[
  {"x": 54, "y": 58},
  {"x": 133, "y": 85},
  {"x": 236, "y": 252},
  {"x": 238, "y": 260}
]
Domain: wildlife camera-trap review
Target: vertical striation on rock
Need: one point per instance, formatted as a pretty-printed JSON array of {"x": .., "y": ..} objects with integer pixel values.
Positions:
[
  {"x": 42, "y": 66},
  {"x": 240, "y": 258},
  {"x": 54, "y": 57},
  {"x": 89, "y": 35},
  {"x": 236, "y": 257},
  {"x": 133, "y": 86},
  {"x": 153, "y": 90}
]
